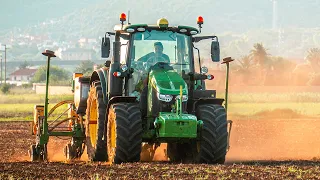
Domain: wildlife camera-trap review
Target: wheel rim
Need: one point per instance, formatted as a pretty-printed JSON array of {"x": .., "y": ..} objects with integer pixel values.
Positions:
[
  {"x": 111, "y": 145},
  {"x": 93, "y": 122}
]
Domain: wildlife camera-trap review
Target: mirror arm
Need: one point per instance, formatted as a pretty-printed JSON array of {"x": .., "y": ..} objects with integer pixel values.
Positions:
[
  {"x": 198, "y": 56},
  {"x": 200, "y": 38}
]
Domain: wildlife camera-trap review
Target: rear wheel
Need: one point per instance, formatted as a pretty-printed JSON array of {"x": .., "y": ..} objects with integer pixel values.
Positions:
[
  {"x": 212, "y": 147},
  {"x": 95, "y": 124},
  {"x": 124, "y": 133}
]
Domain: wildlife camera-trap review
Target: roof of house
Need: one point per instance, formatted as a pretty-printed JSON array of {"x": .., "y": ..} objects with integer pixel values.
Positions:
[{"x": 23, "y": 72}]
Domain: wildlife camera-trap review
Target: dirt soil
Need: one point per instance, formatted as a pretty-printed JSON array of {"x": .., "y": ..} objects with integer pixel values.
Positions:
[{"x": 271, "y": 149}]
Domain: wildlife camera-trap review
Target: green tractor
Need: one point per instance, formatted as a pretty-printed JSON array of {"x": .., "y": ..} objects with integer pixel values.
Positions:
[{"x": 151, "y": 93}]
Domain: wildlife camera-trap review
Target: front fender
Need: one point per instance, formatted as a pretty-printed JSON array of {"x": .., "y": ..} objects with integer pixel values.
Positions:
[
  {"x": 102, "y": 76},
  {"x": 117, "y": 99},
  {"x": 200, "y": 101}
]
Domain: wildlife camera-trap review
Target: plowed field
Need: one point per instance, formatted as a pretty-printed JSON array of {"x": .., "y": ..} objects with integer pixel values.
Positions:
[{"x": 269, "y": 149}]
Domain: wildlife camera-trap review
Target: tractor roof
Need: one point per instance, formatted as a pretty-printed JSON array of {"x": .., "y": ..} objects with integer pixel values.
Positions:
[{"x": 162, "y": 25}]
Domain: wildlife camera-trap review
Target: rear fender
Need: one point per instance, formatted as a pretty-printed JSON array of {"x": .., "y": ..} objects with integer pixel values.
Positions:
[{"x": 102, "y": 76}]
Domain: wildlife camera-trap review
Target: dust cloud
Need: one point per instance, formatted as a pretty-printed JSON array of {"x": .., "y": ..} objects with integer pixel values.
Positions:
[
  {"x": 281, "y": 134},
  {"x": 56, "y": 149},
  {"x": 251, "y": 139},
  {"x": 274, "y": 139},
  {"x": 160, "y": 153}
]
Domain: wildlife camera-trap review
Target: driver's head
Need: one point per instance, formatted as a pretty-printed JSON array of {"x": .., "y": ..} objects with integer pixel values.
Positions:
[{"x": 158, "y": 47}]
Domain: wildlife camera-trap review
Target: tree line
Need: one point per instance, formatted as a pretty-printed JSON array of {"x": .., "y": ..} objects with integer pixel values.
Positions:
[{"x": 259, "y": 67}]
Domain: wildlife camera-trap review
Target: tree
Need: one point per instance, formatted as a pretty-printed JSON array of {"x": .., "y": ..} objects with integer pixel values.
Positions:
[
  {"x": 307, "y": 73},
  {"x": 4, "y": 88},
  {"x": 245, "y": 64},
  {"x": 259, "y": 56},
  {"x": 85, "y": 67},
  {"x": 24, "y": 65},
  {"x": 245, "y": 67},
  {"x": 279, "y": 72},
  {"x": 58, "y": 76},
  {"x": 313, "y": 57}
]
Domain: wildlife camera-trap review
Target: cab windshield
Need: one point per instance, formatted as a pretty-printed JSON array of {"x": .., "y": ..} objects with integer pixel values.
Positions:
[{"x": 155, "y": 46}]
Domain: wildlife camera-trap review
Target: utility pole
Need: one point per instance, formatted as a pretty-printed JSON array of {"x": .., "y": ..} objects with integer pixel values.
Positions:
[
  {"x": 275, "y": 14},
  {"x": 1, "y": 70},
  {"x": 5, "y": 63}
]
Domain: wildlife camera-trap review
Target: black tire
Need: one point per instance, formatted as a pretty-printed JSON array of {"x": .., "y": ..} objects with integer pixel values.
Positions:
[
  {"x": 214, "y": 135},
  {"x": 96, "y": 150},
  {"x": 34, "y": 156},
  {"x": 69, "y": 152},
  {"x": 124, "y": 133}
]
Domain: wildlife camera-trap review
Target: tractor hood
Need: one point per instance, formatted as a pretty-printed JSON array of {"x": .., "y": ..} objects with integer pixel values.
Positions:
[{"x": 167, "y": 82}]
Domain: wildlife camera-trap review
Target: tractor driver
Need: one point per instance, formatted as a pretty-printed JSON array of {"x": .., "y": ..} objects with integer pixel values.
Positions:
[
  {"x": 156, "y": 56},
  {"x": 150, "y": 59}
]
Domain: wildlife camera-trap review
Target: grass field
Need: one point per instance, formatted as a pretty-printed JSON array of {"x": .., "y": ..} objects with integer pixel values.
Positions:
[
  {"x": 20, "y": 106},
  {"x": 31, "y": 98},
  {"x": 23, "y": 112},
  {"x": 301, "y": 97},
  {"x": 281, "y": 109}
]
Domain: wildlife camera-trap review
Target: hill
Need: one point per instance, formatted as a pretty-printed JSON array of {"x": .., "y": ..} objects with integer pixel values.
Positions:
[{"x": 238, "y": 23}]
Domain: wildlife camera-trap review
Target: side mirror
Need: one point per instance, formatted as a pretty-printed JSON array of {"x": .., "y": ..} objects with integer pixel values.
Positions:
[
  {"x": 215, "y": 51},
  {"x": 105, "y": 47}
]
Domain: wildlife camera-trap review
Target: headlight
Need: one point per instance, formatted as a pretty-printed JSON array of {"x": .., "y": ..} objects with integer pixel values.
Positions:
[
  {"x": 166, "y": 98},
  {"x": 184, "y": 98}
]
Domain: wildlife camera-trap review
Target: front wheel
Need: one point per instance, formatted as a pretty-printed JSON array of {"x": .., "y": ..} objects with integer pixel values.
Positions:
[
  {"x": 124, "y": 133},
  {"x": 212, "y": 147}
]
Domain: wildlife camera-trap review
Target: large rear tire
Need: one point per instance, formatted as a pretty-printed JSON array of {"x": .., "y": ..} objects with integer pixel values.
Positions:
[
  {"x": 124, "y": 133},
  {"x": 95, "y": 124},
  {"x": 212, "y": 148}
]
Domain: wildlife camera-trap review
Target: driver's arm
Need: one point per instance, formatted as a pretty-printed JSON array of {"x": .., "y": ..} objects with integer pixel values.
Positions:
[
  {"x": 166, "y": 57},
  {"x": 145, "y": 57}
]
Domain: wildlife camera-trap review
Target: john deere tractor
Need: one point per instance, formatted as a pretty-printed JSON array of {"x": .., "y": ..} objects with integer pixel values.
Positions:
[
  {"x": 150, "y": 92},
  {"x": 149, "y": 96}
]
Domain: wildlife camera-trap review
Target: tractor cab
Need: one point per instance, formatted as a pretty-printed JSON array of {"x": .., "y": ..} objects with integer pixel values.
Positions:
[{"x": 152, "y": 79}]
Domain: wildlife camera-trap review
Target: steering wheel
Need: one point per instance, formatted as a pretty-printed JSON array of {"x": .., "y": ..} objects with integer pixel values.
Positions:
[{"x": 154, "y": 60}]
